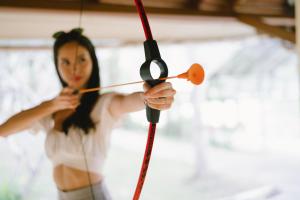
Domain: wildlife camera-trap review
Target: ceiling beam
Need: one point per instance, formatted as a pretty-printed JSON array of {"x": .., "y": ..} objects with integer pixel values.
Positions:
[
  {"x": 193, "y": 4},
  {"x": 113, "y": 8},
  {"x": 270, "y": 30}
]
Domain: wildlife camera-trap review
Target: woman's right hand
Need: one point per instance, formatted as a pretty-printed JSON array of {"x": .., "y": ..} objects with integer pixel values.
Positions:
[
  {"x": 65, "y": 100},
  {"x": 20, "y": 121}
]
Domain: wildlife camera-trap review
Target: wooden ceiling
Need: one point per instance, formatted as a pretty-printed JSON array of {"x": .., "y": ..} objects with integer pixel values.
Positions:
[
  {"x": 258, "y": 8},
  {"x": 275, "y": 17}
]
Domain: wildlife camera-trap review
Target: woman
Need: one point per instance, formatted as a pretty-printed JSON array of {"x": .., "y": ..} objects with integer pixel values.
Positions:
[{"x": 78, "y": 126}]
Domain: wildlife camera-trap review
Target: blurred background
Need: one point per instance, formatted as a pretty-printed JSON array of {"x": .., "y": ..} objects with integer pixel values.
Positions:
[{"x": 235, "y": 137}]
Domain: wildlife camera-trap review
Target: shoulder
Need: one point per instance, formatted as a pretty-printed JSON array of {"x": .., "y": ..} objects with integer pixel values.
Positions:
[
  {"x": 107, "y": 98},
  {"x": 105, "y": 102}
]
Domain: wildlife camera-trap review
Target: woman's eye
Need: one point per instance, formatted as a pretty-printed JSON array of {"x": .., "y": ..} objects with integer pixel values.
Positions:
[
  {"x": 81, "y": 60},
  {"x": 64, "y": 62}
]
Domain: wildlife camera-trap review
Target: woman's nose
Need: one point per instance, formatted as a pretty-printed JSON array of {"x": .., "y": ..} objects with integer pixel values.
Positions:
[{"x": 75, "y": 69}]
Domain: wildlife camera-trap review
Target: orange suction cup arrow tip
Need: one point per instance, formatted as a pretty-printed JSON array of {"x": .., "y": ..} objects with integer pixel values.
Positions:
[{"x": 195, "y": 74}]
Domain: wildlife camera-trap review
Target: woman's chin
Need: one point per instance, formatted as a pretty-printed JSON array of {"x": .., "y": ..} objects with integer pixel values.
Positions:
[{"x": 76, "y": 85}]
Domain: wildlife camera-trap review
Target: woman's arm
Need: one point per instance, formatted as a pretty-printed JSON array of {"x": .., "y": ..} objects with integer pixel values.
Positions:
[
  {"x": 24, "y": 119},
  {"x": 159, "y": 97},
  {"x": 122, "y": 104}
]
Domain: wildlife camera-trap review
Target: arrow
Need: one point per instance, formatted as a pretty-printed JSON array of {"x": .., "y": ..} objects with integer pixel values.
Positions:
[{"x": 195, "y": 74}]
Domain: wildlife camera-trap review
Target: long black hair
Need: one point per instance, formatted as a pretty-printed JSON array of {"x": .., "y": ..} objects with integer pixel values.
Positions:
[{"x": 81, "y": 117}]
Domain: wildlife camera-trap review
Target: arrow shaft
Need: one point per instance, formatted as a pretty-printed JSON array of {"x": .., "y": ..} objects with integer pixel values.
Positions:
[{"x": 82, "y": 91}]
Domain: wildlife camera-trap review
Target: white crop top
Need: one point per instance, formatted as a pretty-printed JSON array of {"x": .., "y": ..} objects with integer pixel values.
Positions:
[{"x": 67, "y": 149}]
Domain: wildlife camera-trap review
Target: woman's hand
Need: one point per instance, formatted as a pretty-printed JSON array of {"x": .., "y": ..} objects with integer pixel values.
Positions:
[
  {"x": 22, "y": 120},
  {"x": 159, "y": 97},
  {"x": 65, "y": 100}
]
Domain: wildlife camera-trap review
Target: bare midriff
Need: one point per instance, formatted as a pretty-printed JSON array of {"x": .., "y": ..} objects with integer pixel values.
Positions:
[{"x": 67, "y": 178}]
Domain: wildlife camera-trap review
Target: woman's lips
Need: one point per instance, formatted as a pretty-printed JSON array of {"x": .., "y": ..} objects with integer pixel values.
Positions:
[{"x": 77, "y": 78}]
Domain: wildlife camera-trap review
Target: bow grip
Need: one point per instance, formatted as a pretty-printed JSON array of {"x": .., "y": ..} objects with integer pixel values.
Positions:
[{"x": 152, "y": 55}]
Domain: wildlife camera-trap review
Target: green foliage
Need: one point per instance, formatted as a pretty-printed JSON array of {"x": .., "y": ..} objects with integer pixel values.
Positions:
[{"x": 9, "y": 192}]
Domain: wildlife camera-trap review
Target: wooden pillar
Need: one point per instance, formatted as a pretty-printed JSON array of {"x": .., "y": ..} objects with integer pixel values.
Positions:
[{"x": 297, "y": 11}]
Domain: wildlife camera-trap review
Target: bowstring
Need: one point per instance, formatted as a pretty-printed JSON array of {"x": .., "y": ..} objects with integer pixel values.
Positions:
[{"x": 81, "y": 138}]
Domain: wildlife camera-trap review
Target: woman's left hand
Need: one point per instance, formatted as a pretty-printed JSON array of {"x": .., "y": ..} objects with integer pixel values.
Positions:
[{"x": 159, "y": 97}]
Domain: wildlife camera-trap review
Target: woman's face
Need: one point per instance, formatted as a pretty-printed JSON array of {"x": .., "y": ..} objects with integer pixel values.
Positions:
[{"x": 74, "y": 64}]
